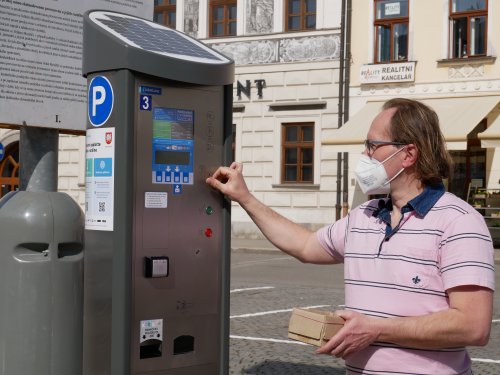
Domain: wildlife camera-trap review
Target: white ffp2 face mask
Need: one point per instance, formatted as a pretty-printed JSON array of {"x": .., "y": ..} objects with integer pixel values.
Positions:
[{"x": 371, "y": 175}]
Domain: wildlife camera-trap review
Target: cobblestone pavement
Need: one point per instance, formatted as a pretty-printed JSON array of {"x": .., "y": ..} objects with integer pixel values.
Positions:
[{"x": 252, "y": 350}]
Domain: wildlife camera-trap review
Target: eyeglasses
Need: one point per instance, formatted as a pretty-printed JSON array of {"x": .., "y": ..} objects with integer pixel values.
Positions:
[{"x": 371, "y": 146}]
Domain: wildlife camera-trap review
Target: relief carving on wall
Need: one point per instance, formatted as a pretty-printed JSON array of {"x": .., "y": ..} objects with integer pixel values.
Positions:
[
  {"x": 191, "y": 11},
  {"x": 255, "y": 52},
  {"x": 316, "y": 48},
  {"x": 325, "y": 47},
  {"x": 260, "y": 16},
  {"x": 466, "y": 71}
]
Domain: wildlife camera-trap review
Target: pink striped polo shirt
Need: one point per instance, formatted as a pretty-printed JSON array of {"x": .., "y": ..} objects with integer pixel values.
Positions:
[{"x": 406, "y": 272}]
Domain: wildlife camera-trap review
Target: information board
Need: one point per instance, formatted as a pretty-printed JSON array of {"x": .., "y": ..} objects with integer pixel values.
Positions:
[{"x": 41, "y": 81}]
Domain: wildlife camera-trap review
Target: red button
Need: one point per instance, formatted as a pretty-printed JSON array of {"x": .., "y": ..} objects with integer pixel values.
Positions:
[{"x": 208, "y": 232}]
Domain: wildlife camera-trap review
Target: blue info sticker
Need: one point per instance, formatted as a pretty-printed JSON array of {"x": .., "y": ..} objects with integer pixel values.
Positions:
[
  {"x": 103, "y": 167},
  {"x": 150, "y": 90},
  {"x": 177, "y": 189}
]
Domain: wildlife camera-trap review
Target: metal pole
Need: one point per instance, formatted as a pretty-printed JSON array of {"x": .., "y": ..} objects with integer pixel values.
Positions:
[
  {"x": 347, "y": 62},
  {"x": 345, "y": 196},
  {"x": 338, "y": 205},
  {"x": 341, "y": 66},
  {"x": 38, "y": 154}
]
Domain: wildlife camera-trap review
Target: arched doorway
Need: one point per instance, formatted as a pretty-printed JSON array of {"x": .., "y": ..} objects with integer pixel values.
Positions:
[{"x": 9, "y": 169}]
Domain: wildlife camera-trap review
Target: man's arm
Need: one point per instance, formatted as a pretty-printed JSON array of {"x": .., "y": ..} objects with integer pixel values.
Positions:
[
  {"x": 466, "y": 323},
  {"x": 286, "y": 235}
]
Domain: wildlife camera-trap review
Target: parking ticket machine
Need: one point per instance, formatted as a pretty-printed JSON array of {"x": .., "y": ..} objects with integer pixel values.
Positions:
[{"x": 156, "y": 285}]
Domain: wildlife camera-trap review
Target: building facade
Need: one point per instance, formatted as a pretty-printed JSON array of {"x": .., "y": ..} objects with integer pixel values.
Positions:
[
  {"x": 440, "y": 52},
  {"x": 285, "y": 100},
  {"x": 286, "y": 93}
]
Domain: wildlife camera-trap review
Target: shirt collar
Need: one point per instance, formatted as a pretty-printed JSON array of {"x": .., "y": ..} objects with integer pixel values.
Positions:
[{"x": 421, "y": 204}]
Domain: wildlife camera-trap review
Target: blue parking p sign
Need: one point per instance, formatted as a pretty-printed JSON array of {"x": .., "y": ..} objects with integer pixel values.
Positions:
[
  {"x": 100, "y": 100},
  {"x": 2, "y": 151}
]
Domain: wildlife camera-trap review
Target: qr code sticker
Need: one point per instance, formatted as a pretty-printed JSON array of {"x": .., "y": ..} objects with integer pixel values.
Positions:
[{"x": 102, "y": 206}]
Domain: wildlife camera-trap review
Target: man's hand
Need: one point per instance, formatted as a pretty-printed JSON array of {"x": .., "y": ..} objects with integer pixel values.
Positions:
[
  {"x": 229, "y": 181},
  {"x": 358, "y": 332},
  {"x": 467, "y": 322},
  {"x": 286, "y": 235}
]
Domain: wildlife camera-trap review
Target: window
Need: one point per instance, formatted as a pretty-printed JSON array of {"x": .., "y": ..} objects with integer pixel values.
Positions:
[
  {"x": 9, "y": 169},
  {"x": 468, "y": 165},
  {"x": 391, "y": 31},
  {"x": 468, "y": 19},
  {"x": 164, "y": 12},
  {"x": 297, "y": 155},
  {"x": 300, "y": 15},
  {"x": 222, "y": 18}
]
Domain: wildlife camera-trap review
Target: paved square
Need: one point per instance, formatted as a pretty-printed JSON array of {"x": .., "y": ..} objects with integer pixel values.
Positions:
[{"x": 265, "y": 288}]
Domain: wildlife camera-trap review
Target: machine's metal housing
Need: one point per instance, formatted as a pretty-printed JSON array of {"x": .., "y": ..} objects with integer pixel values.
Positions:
[{"x": 125, "y": 301}]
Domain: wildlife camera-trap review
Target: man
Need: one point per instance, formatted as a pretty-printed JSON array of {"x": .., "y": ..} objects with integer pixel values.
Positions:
[{"x": 419, "y": 268}]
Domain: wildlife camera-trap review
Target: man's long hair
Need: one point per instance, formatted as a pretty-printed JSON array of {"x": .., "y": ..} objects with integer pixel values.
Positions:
[{"x": 415, "y": 123}]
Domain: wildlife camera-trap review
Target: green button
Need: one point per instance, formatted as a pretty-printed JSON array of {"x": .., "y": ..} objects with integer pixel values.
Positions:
[{"x": 209, "y": 210}]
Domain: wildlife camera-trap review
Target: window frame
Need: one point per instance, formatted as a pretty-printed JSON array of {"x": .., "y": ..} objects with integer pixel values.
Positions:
[
  {"x": 165, "y": 10},
  {"x": 299, "y": 145},
  {"x": 391, "y": 22},
  {"x": 303, "y": 14},
  {"x": 225, "y": 21},
  {"x": 467, "y": 14}
]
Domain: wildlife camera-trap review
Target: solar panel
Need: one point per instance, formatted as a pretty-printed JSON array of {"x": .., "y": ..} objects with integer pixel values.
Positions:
[{"x": 155, "y": 38}]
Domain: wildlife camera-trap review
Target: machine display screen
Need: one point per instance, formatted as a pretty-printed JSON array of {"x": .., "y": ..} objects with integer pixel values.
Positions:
[
  {"x": 172, "y": 157},
  {"x": 173, "y": 146}
]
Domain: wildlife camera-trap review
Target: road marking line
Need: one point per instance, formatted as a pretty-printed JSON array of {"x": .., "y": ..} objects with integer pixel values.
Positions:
[
  {"x": 267, "y": 340},
  {"x": 247, "y": 289},
  {"x": 495, "y": 321},
  {"x": 485, "y": 360},
  {"x": 273, "y": 312}
]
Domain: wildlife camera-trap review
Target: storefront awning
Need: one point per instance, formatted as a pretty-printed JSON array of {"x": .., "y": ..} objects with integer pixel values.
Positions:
[
  {"x": 491, "y": 136},
  {"x": 457, "y": 116}
]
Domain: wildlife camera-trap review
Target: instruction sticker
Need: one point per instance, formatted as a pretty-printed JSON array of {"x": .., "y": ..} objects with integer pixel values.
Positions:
[
  {"x": 99, "y": 179},
  {"x": 155, "y": 199},
  {"x": 151, "y": 330}
]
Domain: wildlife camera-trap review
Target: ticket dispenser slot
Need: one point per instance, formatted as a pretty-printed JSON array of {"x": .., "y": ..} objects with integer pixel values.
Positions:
[
  {"x": 183, "y": 344},
  {"x": 150, "y": 349}
]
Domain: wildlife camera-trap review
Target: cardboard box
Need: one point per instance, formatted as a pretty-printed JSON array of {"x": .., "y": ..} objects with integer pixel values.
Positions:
[{"x": 313, "y": 326}]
